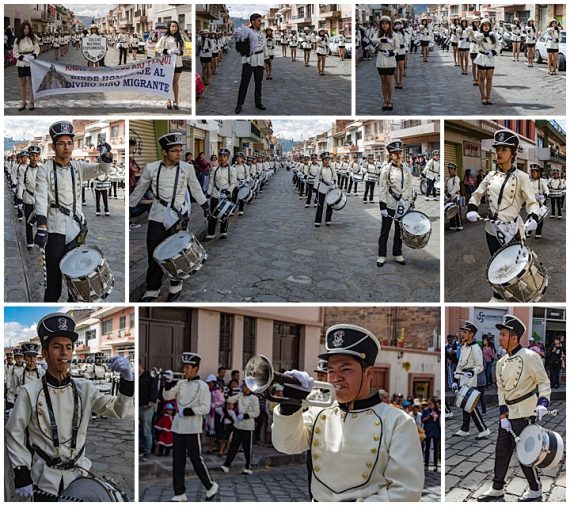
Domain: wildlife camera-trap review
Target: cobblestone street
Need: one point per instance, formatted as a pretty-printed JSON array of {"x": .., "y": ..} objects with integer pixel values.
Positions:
[
  {"x": 466, "y": 269},
  {"x": 294, "y": 89},
  {"x": 23, "y": 273},
  {"x": 274, "y": 253},
  {"x": 469, "y": 461},
  {"x": 109, "y": 446},
  {"x": 123, "y": 103},
  {"x": 438, "y": 88}
]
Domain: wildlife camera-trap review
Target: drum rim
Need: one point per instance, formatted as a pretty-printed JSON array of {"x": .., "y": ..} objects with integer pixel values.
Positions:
[
  {"x": 171, "y": 238},
  {"x": 75, "y": 251}
]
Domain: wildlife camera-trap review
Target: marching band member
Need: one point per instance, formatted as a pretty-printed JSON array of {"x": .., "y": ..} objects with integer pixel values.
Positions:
[
  {"x": 30, "y": 372},
  {"x": 206, "y": 56},
  {"x": 169, "y": 179},
  {"x": 9, "y": 378},
  {"x": 386, "y": 59},
  {"x": 222, "y": 183},
  {"x": 270, "y": 41},
  {"x": 431, "y": 172},
  {"x": 341, "y": 45},
  {"x": 556, "y": 184},
  {"x": 395, "y": 191},
  {"x": 61, "y": 225},
  {"x": 215, "y": 52},
  {"x": 123, "y": 46},
  {"x": 302, "y": 174},
  {"x": 463, "y": 45},
  {"x": 342, "y": 172},
  {"x": 540, "y": 188},
  {"x": 247, "y": 412},
  {"x": 9, "y": 365},
  {"x": 243, "y": 178},
  {"x": 193, "y": 400},
  {"x": 293, "y": 43},
  {"x": 400, "y": 51},
  {"x": 322, "y": 42},
  {"x": 47, "y": 457},
  {"x": 473, "y": 48},
  {"x": 453, "y": 194},
  {"x": 284, "y": 43},
  {"x": 469, "y": 366},
  {"x": 25, "y": 50},
  {"x": 134, "y": 45},
  {"x": 172, "y": 43},
  {"x": 552, "y": 46},
  {"x": 324, "y": 182},
  {"x": 102, "y": 189},
  {"x": 55, "y": 45},
  {"x": 530, "y": 41},
  {"x": 26, "y": 191},
  {"x": 488, "y": 47},
  {"x": 371, "y": 176},
  {"x": 426, "y": 37},
  {"x": 506, "y": 190},
  {"x": 385, "y": 461},
  {"x": 516, "y": 32},
  {"x": 306, "y": 45},
  {"x": 523, "y": 388},
  {"x": 311, "y": 184},
  {"x": 454, "y": 39},
  {"x": 354, "y": 170}
]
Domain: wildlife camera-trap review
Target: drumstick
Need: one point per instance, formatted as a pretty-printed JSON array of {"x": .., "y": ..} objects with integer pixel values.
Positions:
[
  {"x": 517, "y": 439},
  {"x": 44, "y": 266}
]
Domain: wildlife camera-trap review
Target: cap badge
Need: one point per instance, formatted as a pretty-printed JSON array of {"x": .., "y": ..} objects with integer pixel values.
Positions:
[
  {"x": 62, "y": 324},
  {"x": 338, "y": 338},
  {"x": 501, "y": 137},
  {"x": 64, "y": 129}
]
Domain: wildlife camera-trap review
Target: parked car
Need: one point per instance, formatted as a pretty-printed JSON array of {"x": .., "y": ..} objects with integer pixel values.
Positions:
[
  {"x": 540, "y": 53},
  {"x": 507, "y": 43},
  {"x": 333, "y": 46}
]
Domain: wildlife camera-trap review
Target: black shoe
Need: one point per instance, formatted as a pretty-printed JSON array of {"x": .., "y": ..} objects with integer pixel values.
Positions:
[
  {"x": 238, "y": 109},
  {"x": 260, "y": 106},
  {"x": 173, "y": 296}
]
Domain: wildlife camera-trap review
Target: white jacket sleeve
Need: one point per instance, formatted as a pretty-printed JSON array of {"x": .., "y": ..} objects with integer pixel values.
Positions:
[
  {"x": 42, "y": 191},
  {"x": 142, "y": 186},
  {"x": 291, "y": 434}
]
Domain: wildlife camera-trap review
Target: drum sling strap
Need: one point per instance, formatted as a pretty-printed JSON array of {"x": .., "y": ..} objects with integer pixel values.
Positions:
[
  {"x": 464, "y": 402},
  {"x": 25, "y": 176},
  {"x": 56, "y": 461},
  {"x": 521, "y": 398},
  {"x": 24, "y": 376},
  {"x": 500, "y": 199},
  {"x": 173, "y": 198}
]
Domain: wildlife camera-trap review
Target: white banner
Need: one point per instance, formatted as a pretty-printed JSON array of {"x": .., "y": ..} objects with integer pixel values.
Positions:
[{"x": 152, "y": 77}]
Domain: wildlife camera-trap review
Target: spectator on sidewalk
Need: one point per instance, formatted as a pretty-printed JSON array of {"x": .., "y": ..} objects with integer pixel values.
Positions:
[{"x": 147, "y": 402}]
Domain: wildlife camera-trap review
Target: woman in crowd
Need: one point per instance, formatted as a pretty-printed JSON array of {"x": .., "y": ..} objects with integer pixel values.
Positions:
[
  {"x": 530, "y": 41},
  {"x": 26, "y": 49},
  {"x": 172, "y": 43},
  {"x": 487, "y": 45},
  {"x": 322, "y": 41},
  {"x": 206, "y": 56},
  {"x": 552, "y": 46}
]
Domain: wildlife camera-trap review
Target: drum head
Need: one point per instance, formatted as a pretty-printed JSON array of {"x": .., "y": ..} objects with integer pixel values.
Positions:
[
  {"x": 333, "y": 196},
  {"x": 450, "y": 209},
  {"x": 80, "y": 262},
  {"x": 243, "y": 193},
  {"x": 503, "y": 266},
  {"x": 416, "y": 223},
  {"x": 530, "y": 445},
  {"x": 172, "y": 246},
  {"x": 86, "y": 489}
]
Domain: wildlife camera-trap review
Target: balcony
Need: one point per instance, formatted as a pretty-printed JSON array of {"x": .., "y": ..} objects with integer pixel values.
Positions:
[
  {"x": 207, "y": 11},
  {"x": 332, "y": 14},
  {"x": 301, "y": 19},
  {"x": 39, "y": 15},
  {"x": 116, "y": 337},
  {"x": 82, "y": 348},
  {"x": 139, "y": 13}
]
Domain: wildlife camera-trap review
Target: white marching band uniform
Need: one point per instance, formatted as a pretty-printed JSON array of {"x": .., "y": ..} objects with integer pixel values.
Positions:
[{"x": 487, "y": 50}]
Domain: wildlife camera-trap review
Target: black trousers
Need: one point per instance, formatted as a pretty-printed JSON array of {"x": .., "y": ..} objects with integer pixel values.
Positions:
[
  {"x": 28, "y": 210},
  {"x": 385, "y": 232},
  {"x": 113, "y": 190},
  {"x": 477, "y": 418},
  {"x": 243, "y": 438},
  {"x": 554, "y": 373},
  {"x": 246, "y": 71},
  {"x": 369, "y": 188},
  {"x": 350, "y": 185},
  {"x": 428, "y": 442},
  {"x": 320, "y": 207},
  {"x": 55, "y": 251},
  {"x": 155, "y": 234},
  {"x": 556, "y": 203},
  {"x": 504, "y": 451},
  {"x": 431, "y": 188},
  {"x": 101, "y": 194},
  {"x": 123, "y": 51},
  {"x": 456, "y": 220},
  {"x": 310, "y": 189},
  {"x": 213, "y": 221},
  {"x": 343, "y": 181},
  {"x": 301, "y": 186},
  {"x": 241, "y": 203},
  {"x": 188, "y": 444}
]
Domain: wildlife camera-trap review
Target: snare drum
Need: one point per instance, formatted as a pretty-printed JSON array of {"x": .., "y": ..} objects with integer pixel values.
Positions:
[
  {"x": 467, "y": 398},
  {"x": 415, "y": 229},
  {"x": 357, "y": 178},
  {"x": 515, "y": 273},
  {"x": 336, "y": 199},
  {"x": 245, "y": 194},
  {"x": 372, "y": 177},
  {"x": 437, "y": 185},
  {"x": 180, "y": 255},
  {"x": 543, "y": 212},
  {"x": 450, "y": 209},
  {"x": 311, "y": 180},
  {"x": 223, "y": 210},
  {"x": 540, "y": 447},
  {"x": 92, "y": 489},
  {"x": 87, "y": 274}
]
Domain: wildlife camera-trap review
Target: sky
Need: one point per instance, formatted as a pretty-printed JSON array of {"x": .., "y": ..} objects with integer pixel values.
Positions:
[
  {"x": 18, "y": 129},
  {"x": 246, "y": 10},
  {"x": 20, "y": 322},
  {"x": 300, "y": 129},
  {"x": 92, "y": 10}
]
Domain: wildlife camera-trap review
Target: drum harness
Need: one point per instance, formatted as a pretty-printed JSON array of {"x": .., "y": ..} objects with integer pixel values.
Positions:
[
  {"x": 67, "y": 212},
  {"x": 31, "y": 370},
  {"x": 31, "y": 194},
  {"x": 179, "y": 225},
  {"x": 57, "y": 462}
]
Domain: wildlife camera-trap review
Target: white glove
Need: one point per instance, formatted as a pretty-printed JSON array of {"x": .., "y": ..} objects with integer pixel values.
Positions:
[
  {"x": 28, "y": 58},
  {"x": 386, "y": 53},
  {"x": 473, "y": 216},
  {"x": 172, "y": 51},
  {"x": 307, "y": 383},
  {"x": 506, "y": 424},
  {"x": 540, "y": 411},
  {"x": 240, "y": 417},
  {"x": 27, "y": 491},
  {"x": 123, "y": 367},
  {"x": 384, "y": 213},
  {"x": 489, "y": 53},
  {"x": 168, "y": 375},
  {"x": 454, "y": 386},
  {"x": 468, "y": 374},
  {"x": 530, "y": 225}
]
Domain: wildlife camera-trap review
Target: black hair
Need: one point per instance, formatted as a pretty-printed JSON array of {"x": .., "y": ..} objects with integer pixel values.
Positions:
[
  {"x": 254, "y": 16},
  {"x": 21, "y": 35},
  {"x": 177, "y": 36},
  {"x": 222, "y": 368},
  {"x": 491, "y": 35}
]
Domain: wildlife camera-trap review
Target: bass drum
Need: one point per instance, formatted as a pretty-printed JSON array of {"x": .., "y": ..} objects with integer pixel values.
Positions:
[
  {"x": 540, "y": 447},
  {"x": 467, "y": 398},
  {"x": 87, "y": 274},
  {"x": 92, "y": 489}
]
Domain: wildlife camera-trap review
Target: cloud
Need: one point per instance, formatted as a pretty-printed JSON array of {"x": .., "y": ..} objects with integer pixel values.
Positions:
[
  {"x": 245, "y": 10},
  {"x": 16, "y": 129},
  {"x": 15, "y": 332},
  {"x": 294, "y": 129},
  {"x": 93, "y": 10}
]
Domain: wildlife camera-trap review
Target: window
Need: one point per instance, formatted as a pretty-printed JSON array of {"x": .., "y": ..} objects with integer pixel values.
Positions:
[
  {"x": 115, "y": 132},
  {"x": 90, "y": 334},
  {"x": 88, "y": 140},
  {"x": 101, "y": 138},
  {"x": 132, "y": 321},
  {"x": 107, "y": 326},
  {"x": 122, "y": 322},
  {"x": 226, "y": 339},
  {"x": 249, "y": 325}
]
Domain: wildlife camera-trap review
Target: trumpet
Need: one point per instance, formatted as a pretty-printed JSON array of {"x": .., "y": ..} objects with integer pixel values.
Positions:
[{"x": 259, "y": 376}]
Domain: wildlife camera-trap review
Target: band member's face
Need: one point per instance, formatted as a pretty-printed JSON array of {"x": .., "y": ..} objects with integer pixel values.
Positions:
[
  {"x": 322, "y": 376},
  {"x": 452, "y": 172},
  {"x": 224, "y": 159},
  {"x": 58, "y": 356},
  {"x": 30, "y": 361},
  {"x": 63, "y": 147},
  {"x": 326, "y": 162},
  {"x": 465, "y": 336},
  {"x": 534, "y": 174},
  {"x": 436, "y": 157},
  {"x": 507, "y": 340},
  {"x": 256, "y": 23},
  {"x": 190, "y": 371},
  {"x": 396, "y": 157},
  {"x": 10, "y": 359},
  {"x": 34, "y": 158},
  {"x": 19, "y": 359},
  {"x": 173, "y": 155},
  {"x": 347, "y": 376},
  {"x": 504, "y": 154},
  {"x": 385, "y": 25}
]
